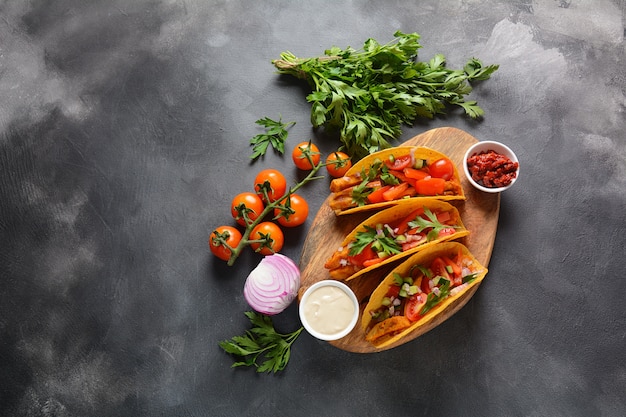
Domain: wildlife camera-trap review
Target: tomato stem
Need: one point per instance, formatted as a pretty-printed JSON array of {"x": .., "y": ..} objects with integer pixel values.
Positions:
[{"x": 269, "y": 208}]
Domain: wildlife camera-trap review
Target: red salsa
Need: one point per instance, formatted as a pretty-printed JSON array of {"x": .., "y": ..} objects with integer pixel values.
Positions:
[{"x": 491, "y": 169}]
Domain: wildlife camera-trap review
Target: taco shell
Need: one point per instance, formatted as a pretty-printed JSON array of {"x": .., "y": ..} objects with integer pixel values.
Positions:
[
  {"x": 397, "y": 213},
  {"x": 429, "y": 155},
  {"x": 439, "y": 312}
]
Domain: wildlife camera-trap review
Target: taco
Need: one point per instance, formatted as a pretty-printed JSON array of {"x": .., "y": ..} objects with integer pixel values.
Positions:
[
  {"x": 395, "y": 233},
  {"x": 385, "y": 177},
  {"x": 419, "y": 290}
]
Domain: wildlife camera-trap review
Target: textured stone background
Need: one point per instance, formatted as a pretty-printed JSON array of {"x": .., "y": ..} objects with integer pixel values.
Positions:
[{"x": 124, "y": 129}]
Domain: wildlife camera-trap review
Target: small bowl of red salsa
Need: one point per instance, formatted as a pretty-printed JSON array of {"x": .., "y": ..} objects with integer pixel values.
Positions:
[{"x": 491, "y": 166}]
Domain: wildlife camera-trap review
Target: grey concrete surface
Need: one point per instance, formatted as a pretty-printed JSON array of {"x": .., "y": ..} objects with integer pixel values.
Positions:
[{"x": 124, "y": 129}]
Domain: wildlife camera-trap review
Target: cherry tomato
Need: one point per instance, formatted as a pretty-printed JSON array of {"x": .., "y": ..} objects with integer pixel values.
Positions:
[
  {"x": 399, "y": 162},
  {"x": 228, "y": 234},
  {"x": 414, "y": 305},
  {"x": 300, "y": 152},
  {"x": 272, "y": 182},
  {"x": 250, "y": 203},
  {"x": 271, "y": 232},
  {"x": 438, "y": 266},
  {"x": 338, "y": 163},
  {"x": 293, "y": 215},
  {"x": 430, "y": 186},
  {"x": 442, "y": 168}
]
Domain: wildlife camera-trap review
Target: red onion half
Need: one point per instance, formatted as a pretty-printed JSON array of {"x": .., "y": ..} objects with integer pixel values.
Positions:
[{"x": 272, "y": 285}]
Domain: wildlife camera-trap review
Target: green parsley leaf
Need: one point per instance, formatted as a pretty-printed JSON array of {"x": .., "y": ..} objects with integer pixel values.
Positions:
[
  {"x": 275, "y": 135},
  {"x": 469, "y": 278},
  {"x": 261, "y": 346},
  {"x": 362, "y": 190},
  {"x": 476, "y": 72},
  {"x": 380, "y": 238},
  {"x": 433, "y": 299},
  {"x": 431, "y": 223}
]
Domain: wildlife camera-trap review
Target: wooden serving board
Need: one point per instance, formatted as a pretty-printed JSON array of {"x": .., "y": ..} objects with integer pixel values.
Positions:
[{"x": 479, "y": 213}]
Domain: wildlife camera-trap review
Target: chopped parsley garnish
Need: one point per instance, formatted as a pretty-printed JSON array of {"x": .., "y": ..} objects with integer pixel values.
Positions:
[
  {"x": 431, "y": 223},
  {"x": 380, "y": 238},
  {"x": 434, "y": 299}
]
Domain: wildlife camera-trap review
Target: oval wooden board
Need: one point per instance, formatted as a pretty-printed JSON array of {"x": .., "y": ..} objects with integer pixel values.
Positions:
[{"x": 479, "y": 213}]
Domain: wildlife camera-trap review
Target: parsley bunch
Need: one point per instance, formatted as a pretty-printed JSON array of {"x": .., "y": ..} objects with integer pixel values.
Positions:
[
  {"x": 368, "y": 94},
  {"x": 261, "y": 341}
]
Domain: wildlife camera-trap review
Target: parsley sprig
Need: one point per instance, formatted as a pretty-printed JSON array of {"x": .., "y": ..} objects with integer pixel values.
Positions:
[
  {"x": 261, "y": 346},
  {"x": 275, "y": 135},
  {"x": 444, "y": 291},
  {"x": 381, "y": 239},
  {"x": 431, "y": 223},
  {"x": 376, "y": 170},
  {"x": 434, "y": 298},
  {"x": 368, "y": 94}
]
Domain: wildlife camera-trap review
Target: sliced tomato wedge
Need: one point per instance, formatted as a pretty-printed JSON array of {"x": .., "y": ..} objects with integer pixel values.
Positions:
[
  {"x": 414, "y": 305},
  {"x": 443, "y": 216},
  {"x": 403, "y": 226},
  {"x": 425, "y": 285},
  {"x": 410, "y": 192},
  {"x": 376, "y": 196},
  {"x": 430, "y": 186},
  {"x": 438, "y": 266},
  {"x": 455, "y": 276},
  {"x": 399, "y": 162},
  {"x": 393, "y": 291},
  {"x": 366, "y": 254},
  {"x": 395, "y": 191},
  {"x": 373, "y": 261},
  {"x": 416, "y": 174},
  {"x": 459, "y": 258},
  {"x": 456, "y": 268},
  {"x": 446, "y": 231},
  {"x": 403, "y": 178},
  {"x": 410, "y": 245}
]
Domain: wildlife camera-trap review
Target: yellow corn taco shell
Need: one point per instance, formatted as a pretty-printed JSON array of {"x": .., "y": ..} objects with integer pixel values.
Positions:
[
  {"x": 343, "y": 200},
  {"x": 441, "y": 311},
  {"x": 389, "y": 216}
]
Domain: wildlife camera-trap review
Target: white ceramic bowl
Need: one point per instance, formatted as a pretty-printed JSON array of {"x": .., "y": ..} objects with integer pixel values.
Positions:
[
  {"x": 327, "y": 310},
  {"x": 487, "y": 146}
]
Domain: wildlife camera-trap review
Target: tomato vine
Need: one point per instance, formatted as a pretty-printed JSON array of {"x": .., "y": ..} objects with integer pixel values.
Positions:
[{"x": 279, "y": 207}]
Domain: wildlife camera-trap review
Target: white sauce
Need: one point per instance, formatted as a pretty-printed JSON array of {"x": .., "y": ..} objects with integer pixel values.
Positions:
[{"x": 328, "y": 310}]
